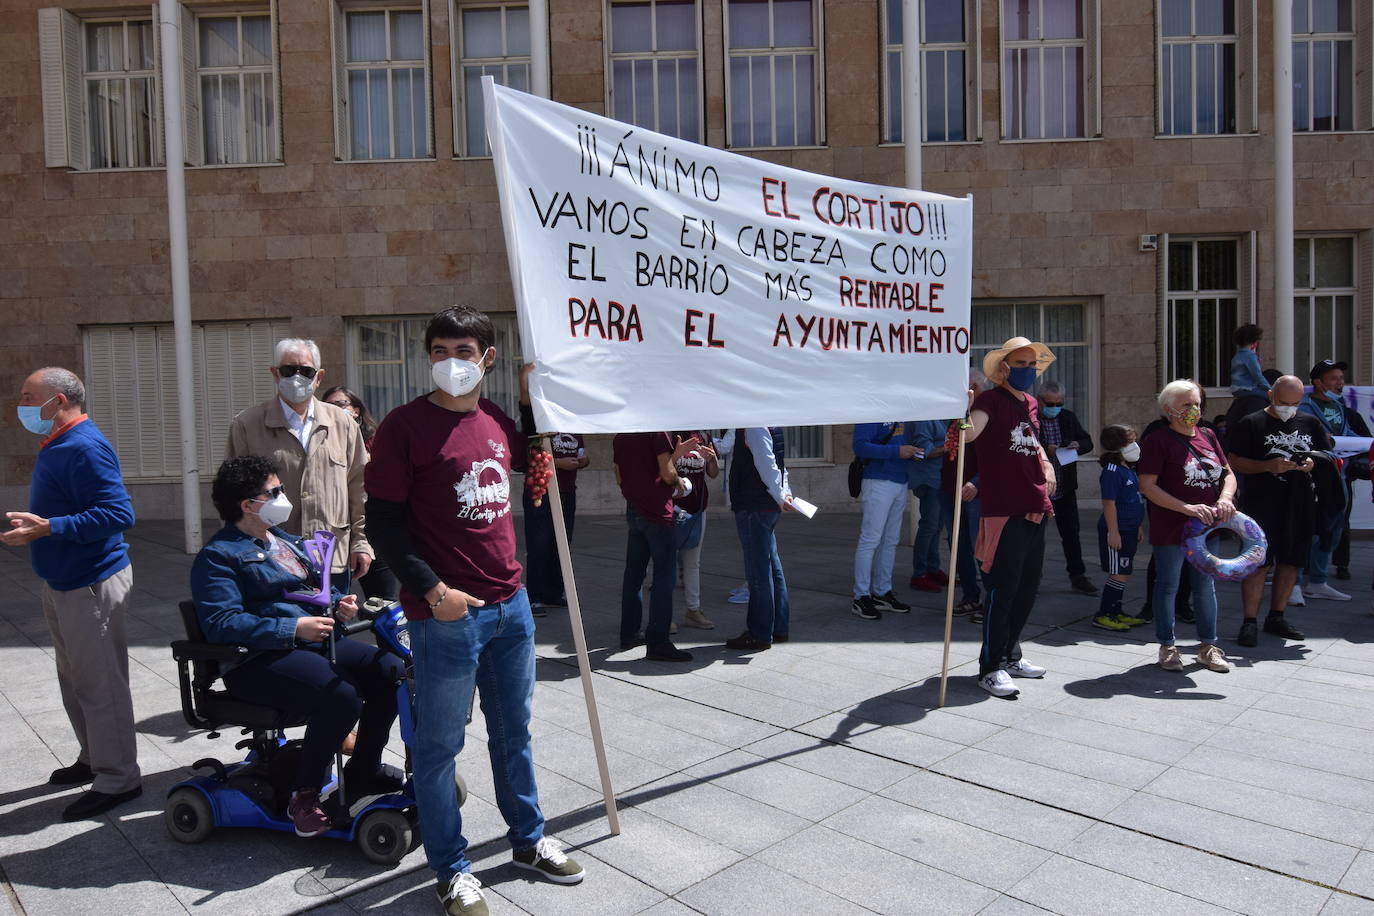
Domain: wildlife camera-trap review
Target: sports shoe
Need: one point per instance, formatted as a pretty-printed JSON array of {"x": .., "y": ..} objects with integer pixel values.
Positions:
[
  {"x": 1130, "y": 621},
  {"x": 745, "y": 642},
  {"x": 1325, "y": 591},
  {"x": 462, "y": 896},
  {"x": 966, "y": 607},
  {"x": 548, "y": 858},
  {"x": 1022, "y": 668},
  {"x": 695, "y": 618},
  {"x": 890, "y": 602},
  {"x": 864, "y": 607},
  {"x": 667, "y": 652},
  {"x": 926, "y": 583},
  {"x": 1212, "y": 658},
  {"x": 305, "y": 813},
  {"x": 739, "y": 595},
  {"x": 1083, "y": 585},
  {"x": 1109, "y": 622},
  {"x": 977, "y": 616},
  {"x": 539, "y": 609},
  {"x": 1342, "y": 572},
  {"x": 1249, "y": 633},
  {"x": 1279, "y": 626},
  {"x": 998, "y": 683},
  {"x": 1295, "y": 597},
  {"x": 1169, "y": 659}
]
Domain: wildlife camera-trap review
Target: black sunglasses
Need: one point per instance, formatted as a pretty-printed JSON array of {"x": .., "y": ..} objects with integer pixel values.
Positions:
[
  {"x": 305, "y": 371},
  {"x": 272, "y": 493}
]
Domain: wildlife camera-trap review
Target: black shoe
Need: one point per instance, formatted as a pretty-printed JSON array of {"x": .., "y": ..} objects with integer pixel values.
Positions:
[
  {"x": 634, "y": 642},
  {"x": 1342, "y": 572},
  {"x": 1185, "y": 614},
  {"x": 539, "y": 609},
  {"x": 94, "y": 803},
  {"x": 1147, "y": 611},
  {"x": 966, "y": 607},
  {"x": 781, "y": 637},
  {"x": 75, "y": 775},
  {"x": 1083, "y": 585},
  {"x": 865, "y": 608},
  {"x": 560, "y": 601},
  {"x": 1249, "y": 633},
  {"x": 747, "y": 643},
  {"x": 385, "y": 780},
  {"x": 667, "y": 652},
  {"x": 1279, "y": 626},
  {"x": 890, "y": 602}
]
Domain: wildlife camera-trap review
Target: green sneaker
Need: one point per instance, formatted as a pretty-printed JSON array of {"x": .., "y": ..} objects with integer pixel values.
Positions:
[
  {"x": 462, "y": 896},
  {"x": 1130, "y": 621},
  {"x": 548, "y": 858},
  {"x": 1110, "y": 622}
]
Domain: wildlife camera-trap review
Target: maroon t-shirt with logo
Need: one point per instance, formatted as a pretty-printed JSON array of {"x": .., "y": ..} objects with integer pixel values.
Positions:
[
  {"x": 453, "y": 472},
  {"x": 1188, "y": 467},
  {"x": 567, "y": 445},
  {"x": 692, "y": 466},
  {"x": 1011, "y": 480},
  {"x": 636, "y": 454}
]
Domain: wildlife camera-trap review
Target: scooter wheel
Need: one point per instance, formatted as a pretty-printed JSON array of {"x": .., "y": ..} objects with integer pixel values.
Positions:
[
  {"x": 188, "y": 816},
  {"x": 385, "y": 836}
]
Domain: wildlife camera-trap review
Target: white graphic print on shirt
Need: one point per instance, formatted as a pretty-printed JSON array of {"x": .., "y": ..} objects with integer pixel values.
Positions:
[
  {"x": 1202, "y": 473},
  {"x": 1023, "y": 440},
  {"x": 484, "y": 492},
  {"x": 1285, "y": 445}
]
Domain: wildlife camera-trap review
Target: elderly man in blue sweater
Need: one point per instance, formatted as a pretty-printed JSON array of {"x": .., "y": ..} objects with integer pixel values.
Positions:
[
  {"x": 885, "y": 457},
  {"x": 78, "y": 511}
]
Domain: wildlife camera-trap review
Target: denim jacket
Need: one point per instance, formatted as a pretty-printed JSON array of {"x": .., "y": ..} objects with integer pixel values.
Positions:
[{"x": 238, "y": 591}]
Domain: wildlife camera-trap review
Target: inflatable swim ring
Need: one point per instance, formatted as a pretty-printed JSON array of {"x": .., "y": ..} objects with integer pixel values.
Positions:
[{"x": 1253, "y": 547}]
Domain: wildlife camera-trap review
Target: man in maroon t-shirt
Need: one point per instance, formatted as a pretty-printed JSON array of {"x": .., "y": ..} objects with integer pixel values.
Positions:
[
  {"x": 438, "y": 484},
  {"x": 1017, "y": 480},
  {"x": 648, "y": 479}
]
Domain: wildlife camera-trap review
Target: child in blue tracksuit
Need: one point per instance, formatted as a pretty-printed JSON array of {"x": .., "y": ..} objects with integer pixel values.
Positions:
[
  {"x": 1118, "y": 530},
  {"x": 1247, "y": 377}
]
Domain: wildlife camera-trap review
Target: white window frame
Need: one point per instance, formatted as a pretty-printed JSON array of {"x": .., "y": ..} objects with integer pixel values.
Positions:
[
  {"x": 343, "y": 144},
  {"x": 973, "y": 102},
  {"x": 816, "y": 50},
  {"x": 1090, "y": 43},
  {"x": 826, "y": 435},
  {"x": 196, "y": 152},
  {"x": 1247, "y": 51},
  {"x": 459, "y": 59},
  {"x": 656, "y": 56},
  {"x": 1244, "y": 294},
  {"x": 1307, "y": 289},
  {"x": 1311, "y": 39}
]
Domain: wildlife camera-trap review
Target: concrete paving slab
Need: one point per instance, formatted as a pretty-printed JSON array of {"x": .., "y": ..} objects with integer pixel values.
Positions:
[
  {"x": 1074, "y": 888},
  {"x": 753, "y": 888}
]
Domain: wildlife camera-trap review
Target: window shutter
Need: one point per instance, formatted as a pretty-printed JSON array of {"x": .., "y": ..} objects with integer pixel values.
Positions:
[
  {"x": 278, "y": 156},
  {"x": 1163, "y": 344},
  {"x": 1364, "y": 66},
  {"x": 190, "y": 102},
  {"x": 1247, "y": 69},
  {"x": 1092, "y": 69},
  {"x": 59, "y": 51},
  {"x": 1364, "y": 257},
  {"x": 340, "y": 29},
  {"x": 429, "y": 81}
]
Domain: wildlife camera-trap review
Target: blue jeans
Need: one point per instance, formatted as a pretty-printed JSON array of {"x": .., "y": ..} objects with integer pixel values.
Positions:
[
  {"x": 493, "y": 648},
  {"x": 965, "y": 563},
  {"x": 770, "y": 613},
  {"x": 925, "y": 553},
  {"x": 645, "y": 542},
  {"x": 543, "y": 572},
  {"x": 1319, "y": 563},
  {"x": 1169, "y": 566}
]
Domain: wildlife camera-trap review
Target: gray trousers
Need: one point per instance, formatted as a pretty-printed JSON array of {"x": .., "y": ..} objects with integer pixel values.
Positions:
[{"x": 87, "y": 626}]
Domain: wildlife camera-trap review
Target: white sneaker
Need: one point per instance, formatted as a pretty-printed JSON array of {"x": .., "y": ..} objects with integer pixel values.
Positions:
[
  {"x": 998, "y": 683},
  {"x": 1023, "y": 668},
  {"x": 739, "y": 595},
  {"x": 1295, "y": 598},
  {"x": 1325, "y": 591},
  {"x": 1212, "y": 658},
  {"x": 1169, "y": 659}
]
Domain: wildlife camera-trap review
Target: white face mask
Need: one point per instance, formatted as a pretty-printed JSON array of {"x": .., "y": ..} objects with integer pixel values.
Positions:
[
  {"x": 297, "y": 389},
  {"x": 1130, "y": 452},
  {"x": 1285, "y": 411},
  {"x": 457, "y": 377},
  {"x": 275, "y": 510}
]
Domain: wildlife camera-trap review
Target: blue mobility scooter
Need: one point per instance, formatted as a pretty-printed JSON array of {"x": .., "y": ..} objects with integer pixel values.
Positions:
[{"x": 255, "y": 791}]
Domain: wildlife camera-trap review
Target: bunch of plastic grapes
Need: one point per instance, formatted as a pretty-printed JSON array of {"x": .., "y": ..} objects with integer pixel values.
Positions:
[{"x": 538, "y": 474}]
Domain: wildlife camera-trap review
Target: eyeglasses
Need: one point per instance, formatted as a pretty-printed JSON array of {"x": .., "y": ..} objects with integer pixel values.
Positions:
[
  {"x": 346, "y": 405},
  {"x": 305, "y": 371},
  {"x": 272, "y": 493}
]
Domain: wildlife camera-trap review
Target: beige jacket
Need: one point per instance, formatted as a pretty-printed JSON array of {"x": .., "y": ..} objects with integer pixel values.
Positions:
[{"x": 325, "y": 486}]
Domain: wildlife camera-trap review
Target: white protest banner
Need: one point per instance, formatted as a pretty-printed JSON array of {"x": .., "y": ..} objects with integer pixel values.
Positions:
[{"x": 666, "y": 285}]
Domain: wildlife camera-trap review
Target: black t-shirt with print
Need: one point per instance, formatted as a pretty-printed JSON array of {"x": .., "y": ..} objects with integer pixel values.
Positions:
[{"x": 1260, "y": 437}]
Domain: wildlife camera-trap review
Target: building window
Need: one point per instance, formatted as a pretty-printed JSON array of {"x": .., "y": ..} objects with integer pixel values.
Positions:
[
  {"x": 238, "y": 99},
  {"x": 655, "y": 75},
  {"x": 1203, "y": 308},
  {"x": 1049, "y": 69},
  {"x": 1206, "y": 67},
  {"x": 946, "y": 70},
  {"x": 388, "y": 365},
  {"x": 383, "y": 83},
  {"x": 127, "y": 368},
  {"x": 1062, "y": 326},
  {"x": 1324, "y": 294},
  {"x": 122, "y": 114},
  {"x": 1323, "y": 65},
  {"x": 492, "y": 40},
  {"x": 773, "y": 73}
]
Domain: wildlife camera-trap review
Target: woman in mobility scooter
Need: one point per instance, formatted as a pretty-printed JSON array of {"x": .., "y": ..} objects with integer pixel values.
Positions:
[{"x": 239, "y": 583}]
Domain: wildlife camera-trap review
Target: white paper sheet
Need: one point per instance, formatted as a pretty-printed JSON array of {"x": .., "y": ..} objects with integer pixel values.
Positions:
[
  {"x": 804, "y": 507},
  {"x": 1352, "y": 445},
  {"x": 1067, "y": 455}
]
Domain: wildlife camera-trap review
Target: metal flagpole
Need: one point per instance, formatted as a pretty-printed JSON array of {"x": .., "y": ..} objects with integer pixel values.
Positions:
[
  {"x": 953, "y": 556},
  {"x": 584, "y": 663},
  {"x": 1284, "y": 358}
]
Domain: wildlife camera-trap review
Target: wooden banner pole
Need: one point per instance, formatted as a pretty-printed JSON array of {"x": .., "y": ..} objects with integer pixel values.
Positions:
[{"x": 953, "y": 556}]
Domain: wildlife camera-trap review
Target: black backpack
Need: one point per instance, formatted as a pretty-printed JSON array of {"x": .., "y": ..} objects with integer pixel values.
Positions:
[{"x": 856, "y": 467}]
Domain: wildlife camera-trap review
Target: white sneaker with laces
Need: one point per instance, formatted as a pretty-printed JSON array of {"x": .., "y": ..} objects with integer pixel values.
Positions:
[
  {"x": 1325, "y": 591},
  {"x": 998, "y": 683},
  {"x": 464, "y": 896},
  {"x": 1022, "y": 668},
  {"x": 1295, "y": 598}
]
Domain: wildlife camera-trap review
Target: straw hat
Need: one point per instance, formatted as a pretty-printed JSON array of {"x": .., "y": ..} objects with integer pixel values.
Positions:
[{"x": 992, "y": 363}]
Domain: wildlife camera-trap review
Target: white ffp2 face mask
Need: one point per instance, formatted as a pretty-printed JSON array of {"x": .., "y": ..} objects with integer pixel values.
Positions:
[
  {"x": 275, "y": 511},
  {"x": 297, "y": 389},
  {"x": 457, "y": 377},
  {"x": 1285, "y": 412},
  {"x": 1130, "y": 452}
]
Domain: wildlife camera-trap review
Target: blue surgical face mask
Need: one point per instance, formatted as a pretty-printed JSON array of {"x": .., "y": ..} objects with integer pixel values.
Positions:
[
  {"x": 1052, "y": 412},
  {"x": 1022, "y": 378},
  {"x": 32, "y": 418}
]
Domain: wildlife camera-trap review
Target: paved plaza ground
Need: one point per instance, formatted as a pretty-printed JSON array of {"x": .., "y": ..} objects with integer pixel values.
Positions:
[{"x": 816, "y": 777}]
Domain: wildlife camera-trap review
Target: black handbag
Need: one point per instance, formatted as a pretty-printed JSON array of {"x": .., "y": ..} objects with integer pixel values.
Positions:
[{"x": 856, "y": 467}]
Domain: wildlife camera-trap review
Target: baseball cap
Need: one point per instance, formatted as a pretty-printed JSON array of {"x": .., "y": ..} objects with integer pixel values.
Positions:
[{"x": 1326, "y": 366}]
